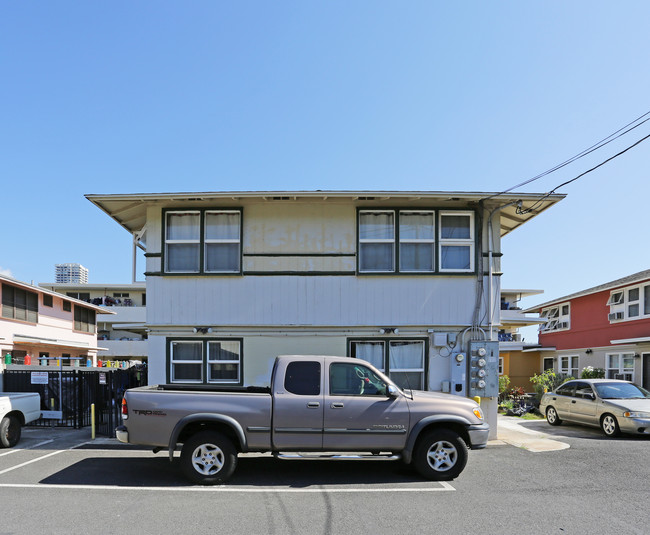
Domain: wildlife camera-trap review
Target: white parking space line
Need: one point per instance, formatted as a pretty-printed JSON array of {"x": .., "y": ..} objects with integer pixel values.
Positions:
[
  {"x": 16, "y": 450},
  {"x": 37, "y": 459},
  {"x": 444, "y": 487}
]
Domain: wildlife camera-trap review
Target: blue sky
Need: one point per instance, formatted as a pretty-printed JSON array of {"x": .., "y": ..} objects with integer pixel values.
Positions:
[{"x": 127, "y": 97}]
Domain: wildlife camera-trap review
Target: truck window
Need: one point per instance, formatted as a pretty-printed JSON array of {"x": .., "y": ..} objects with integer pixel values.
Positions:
[
  {"x": 354, "y": 380},
  {"x": 303, "y": 378}
]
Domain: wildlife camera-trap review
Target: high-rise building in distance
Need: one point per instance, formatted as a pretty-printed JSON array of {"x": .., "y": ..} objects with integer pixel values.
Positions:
[{"x": 71, "y": 273}]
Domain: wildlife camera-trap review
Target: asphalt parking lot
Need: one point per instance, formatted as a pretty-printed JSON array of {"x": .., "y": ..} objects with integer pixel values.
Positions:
[{"x": 60, "y": 481}]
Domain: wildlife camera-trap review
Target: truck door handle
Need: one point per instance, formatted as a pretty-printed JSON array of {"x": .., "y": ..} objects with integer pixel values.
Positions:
[
  {"x": 313, "y": 405},
  {"x": 336, "y": 405}
]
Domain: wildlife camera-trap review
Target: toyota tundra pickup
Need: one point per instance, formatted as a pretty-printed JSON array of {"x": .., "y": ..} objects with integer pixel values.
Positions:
[
  {"x": 330, "y": 406},
  {"x": 16, "y": 410}
]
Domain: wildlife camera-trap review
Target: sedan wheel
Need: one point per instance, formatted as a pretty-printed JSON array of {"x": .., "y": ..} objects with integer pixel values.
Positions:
[
  {"x": 609, "y": 425},
  {"x": 552, "y": 417}
]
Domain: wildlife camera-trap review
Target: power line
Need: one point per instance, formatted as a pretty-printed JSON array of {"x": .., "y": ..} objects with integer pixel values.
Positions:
[{"x": 613, "y": 136}]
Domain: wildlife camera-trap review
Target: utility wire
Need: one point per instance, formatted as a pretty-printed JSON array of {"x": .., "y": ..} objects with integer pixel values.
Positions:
[
  {"x": 615, "y": 135},
  {"x": 546, "y": 195}
]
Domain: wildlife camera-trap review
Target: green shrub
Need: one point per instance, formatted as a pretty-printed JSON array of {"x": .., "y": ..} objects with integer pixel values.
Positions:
[
  {"x": 548, "y": 381},
  {"x": 504, "y": 382}
]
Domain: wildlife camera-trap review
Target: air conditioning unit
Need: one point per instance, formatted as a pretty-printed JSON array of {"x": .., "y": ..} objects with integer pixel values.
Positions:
[
  {"x": 623, "y": 376},
  {"x": 615, "y": 316},
  {"x": 563, "y": 325}
]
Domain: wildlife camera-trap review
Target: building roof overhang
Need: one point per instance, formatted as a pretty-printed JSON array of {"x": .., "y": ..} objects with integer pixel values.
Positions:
[
  {"x": 130, "y": 210},
  {"x": 53, "y": 342},
  {"x": 630, "y": 340}
]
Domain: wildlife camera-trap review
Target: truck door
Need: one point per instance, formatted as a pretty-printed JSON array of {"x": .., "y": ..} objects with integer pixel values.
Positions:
[
  {"x": 358, "y": 414},
  {"x": 298, "y": 405}
]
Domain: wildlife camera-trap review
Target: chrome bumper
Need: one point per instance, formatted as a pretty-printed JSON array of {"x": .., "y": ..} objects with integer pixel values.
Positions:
[
  {"x": 122, "y": 434},
  {"x": 478, "y": 436}
]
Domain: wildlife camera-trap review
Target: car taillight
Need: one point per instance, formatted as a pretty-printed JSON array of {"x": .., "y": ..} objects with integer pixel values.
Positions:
[{"x": 125, "y": 409}]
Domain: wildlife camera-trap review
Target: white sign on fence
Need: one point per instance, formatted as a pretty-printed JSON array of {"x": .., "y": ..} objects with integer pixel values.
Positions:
[
  {"x": 39, "y": 378},
  {"x": 52, "y": 415}
]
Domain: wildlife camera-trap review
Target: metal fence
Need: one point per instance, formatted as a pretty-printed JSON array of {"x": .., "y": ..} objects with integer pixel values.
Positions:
[{"x": 74, "y": 391}]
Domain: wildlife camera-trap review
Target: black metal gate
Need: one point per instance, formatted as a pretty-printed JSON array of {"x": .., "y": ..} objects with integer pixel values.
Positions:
[{"x": 78, "y": 390}]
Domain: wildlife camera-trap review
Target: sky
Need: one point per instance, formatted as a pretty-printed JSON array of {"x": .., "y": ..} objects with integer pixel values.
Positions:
[{"x": 147, "y": 97}]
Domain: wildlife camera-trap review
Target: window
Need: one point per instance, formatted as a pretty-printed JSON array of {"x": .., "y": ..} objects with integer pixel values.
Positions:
[
  {"x": 202, "y": 241},
  {"x": 500, "y": 365},
  {"x": 84, "y": 319},
  {"x": 416, "y": 241},
  {"x": 47, "y": 300},
  {"x": 569, "y": 366},
  {"x": 404, "y": 241},
  {"x": 558, "y": 318},
  {"x": 402, "y": 360},
  {"x": 355, "y": 380},
  {"x": 205, "y": 361},
  {"x": 19, "y": 304},
  {"x": 584, "y": 391},
  {"x": 566, "y": 389},
  {"x": 82, "y": 296},
  {"x": 620, "y": 366},
  {"x": 548, "y": 363},
  {"x": 67, "y": 306},
  {"x": 376, "y": 241},
  {"x": 120, "y": 294},
  {"x": 456, "y": 241},
  {"x": 629, "y": 304},
  {"x": 303, "y": 378}
]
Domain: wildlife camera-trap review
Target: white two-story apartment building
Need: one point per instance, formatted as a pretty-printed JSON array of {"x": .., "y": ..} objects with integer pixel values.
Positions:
[{"x": 402, "y": 279}]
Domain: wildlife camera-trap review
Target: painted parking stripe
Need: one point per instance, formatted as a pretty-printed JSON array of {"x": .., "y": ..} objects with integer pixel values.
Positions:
[
  {"x": 444, "y": 487},
  {"x": 16, "y": 450},
  {"x": 38, "y": 459}
]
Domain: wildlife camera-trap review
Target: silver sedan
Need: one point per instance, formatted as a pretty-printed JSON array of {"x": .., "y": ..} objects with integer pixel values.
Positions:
[{"x": 614, "y": 406}]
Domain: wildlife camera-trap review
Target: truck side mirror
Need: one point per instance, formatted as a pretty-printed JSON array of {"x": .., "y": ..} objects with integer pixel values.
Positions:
[{"x": 392, "y": 391}]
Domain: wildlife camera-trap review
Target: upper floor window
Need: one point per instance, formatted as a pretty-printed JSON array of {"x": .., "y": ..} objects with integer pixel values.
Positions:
[
  {"x": 19, "y": 304},
  {"x": 558, "y": 318},
  {"x": 84, "y": 319},
  {"x": 629, "y": 303},
  {"x": 202, "y": 241},
  {"x": 405, "y": 241},
  {"x": 456, "y": 241}
]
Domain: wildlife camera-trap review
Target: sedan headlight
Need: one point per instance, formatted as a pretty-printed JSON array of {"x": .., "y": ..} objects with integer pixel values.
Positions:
[
  {"x": 478, "y": 413},
  {"x": 636, "y": 414}
]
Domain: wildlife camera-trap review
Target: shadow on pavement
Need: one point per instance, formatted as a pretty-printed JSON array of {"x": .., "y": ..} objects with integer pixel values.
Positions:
[{"x": 251, "y": 471}]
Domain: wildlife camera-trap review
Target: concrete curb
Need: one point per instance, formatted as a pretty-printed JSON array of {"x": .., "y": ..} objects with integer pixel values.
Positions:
[{"x": 510, "y": 431}]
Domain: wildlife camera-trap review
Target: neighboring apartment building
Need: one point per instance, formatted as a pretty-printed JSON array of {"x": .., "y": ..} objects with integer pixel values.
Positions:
[
  {"x": 122, "y": 334},
  {"x": 41, "y": 326},
  {"x": 519, "y": 359},
  {"x": 607, "y": 326},
  {"x": 70, "y": 274},
  {"x": 403, "y": 279}
]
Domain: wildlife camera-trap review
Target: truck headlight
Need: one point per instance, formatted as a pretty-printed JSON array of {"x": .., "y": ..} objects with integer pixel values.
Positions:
[
  {"x": 478, "y": 413},
  {"x": 636, "y": 414}
]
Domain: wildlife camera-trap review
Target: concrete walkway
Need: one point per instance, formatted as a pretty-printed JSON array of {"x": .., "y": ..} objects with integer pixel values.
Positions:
[{"x": 510, "y": 431}]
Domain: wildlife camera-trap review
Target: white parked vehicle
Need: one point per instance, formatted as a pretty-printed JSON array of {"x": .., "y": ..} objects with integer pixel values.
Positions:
[{"x": 16, "y": 410}]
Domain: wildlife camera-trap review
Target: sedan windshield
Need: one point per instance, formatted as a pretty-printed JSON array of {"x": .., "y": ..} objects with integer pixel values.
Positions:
[{"x": 620, "y": 391}]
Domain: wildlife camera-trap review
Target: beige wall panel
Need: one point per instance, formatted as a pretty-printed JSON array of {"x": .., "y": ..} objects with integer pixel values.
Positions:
[{"x": 300, "y": 264}]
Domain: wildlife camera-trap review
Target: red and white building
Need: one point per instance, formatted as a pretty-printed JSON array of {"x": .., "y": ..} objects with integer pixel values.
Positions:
[{"x": 607, "y": 326}]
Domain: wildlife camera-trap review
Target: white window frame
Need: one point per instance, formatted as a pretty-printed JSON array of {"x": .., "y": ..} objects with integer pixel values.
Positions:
[
  {"x": 236, "y": 362},
  {"x": 556, "y": 318},
  {"x": 456, "y": 242},
  {"x": 168, "y": 241},
  {"x": 572, "y": 365},
  {"x": 613, "y": 371},
  {"x": 621, "y": 302},
  {"x": 431, "y": 241},
  {"x": 172, "y": 361},
  {"x": 222, "y": 241},
  {"x": 501, "y": 359},
  {"x": 378, "y": 240}
]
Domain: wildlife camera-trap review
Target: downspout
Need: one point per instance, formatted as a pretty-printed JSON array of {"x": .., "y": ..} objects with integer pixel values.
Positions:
[{"x": 490, "y": 269}]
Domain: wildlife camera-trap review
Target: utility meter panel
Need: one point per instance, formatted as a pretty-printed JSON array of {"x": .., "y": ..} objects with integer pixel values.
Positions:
[
  {"x": 483, "y": 368},
  {"x": 458, "y": 372}
]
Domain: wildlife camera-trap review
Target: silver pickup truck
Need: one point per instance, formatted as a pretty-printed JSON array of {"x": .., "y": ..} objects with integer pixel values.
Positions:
[{"x": 316, "y": 404}]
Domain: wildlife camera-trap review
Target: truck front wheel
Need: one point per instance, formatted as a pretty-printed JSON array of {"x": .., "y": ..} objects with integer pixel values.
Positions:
[
  {"x": 208, "y": 458},
  {"x": 9, "y": 431},
  {"x": 440, "y": 455}
]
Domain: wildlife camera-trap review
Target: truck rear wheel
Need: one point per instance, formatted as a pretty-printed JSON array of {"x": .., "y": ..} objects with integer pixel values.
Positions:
[
  {"x": 208, "y": 458},
  {"x": 440, "y": 455},
  {"x": 9, "y": 431}
]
